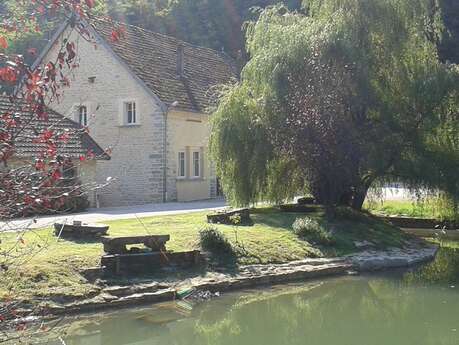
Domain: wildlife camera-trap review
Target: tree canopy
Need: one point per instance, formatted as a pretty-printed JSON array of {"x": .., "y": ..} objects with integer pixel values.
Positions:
[
  {"x": 333, "y": 101},
  {"x": 218, "y": 23},
  {"x": 449, "y": 43}
]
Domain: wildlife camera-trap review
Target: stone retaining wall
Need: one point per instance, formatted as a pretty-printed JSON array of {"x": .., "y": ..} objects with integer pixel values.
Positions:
[
  {"x": 374, "y": 260},
  {"x": 419, "y": 223},
  {"x": 434, "y": 233},
  {"x": 249, "y": 276}
]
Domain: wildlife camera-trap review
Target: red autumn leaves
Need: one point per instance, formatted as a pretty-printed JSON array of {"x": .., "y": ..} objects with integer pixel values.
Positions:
[
  {"x": 43, "y": 183},
  {"x": 3, "y": 42},
  {"x": 8, "y": 75},
  {"x": 118, "y": 33},
  {"x": 90, "y": 3}
]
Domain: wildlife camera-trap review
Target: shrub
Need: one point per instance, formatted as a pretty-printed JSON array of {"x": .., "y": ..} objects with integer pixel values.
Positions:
[
  {"x": 311, "y": 230},
  {"x": 215, "y": 241},
  {"x": 348, "y": 213}
]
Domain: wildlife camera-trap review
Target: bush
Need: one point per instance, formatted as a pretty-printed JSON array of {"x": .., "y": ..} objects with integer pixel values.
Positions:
[
  {"x": 311, "y": 230},
  {"x": 214, "y": 241},
  {"x": 348, "y": 213}
]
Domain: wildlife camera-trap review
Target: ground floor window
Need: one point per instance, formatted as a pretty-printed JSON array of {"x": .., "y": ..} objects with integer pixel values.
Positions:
[
  {"x": 196, "y": 164},
  {"x": 181, "y": 164}
]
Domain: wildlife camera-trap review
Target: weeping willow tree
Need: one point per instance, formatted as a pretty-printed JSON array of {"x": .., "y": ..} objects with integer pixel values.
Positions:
[{"x": 333, "y": 101}]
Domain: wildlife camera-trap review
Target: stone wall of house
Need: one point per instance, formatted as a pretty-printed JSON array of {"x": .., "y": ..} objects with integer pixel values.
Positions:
[
  {"x": 87, "y": 174},
  {"x": 102, "y": 83}
]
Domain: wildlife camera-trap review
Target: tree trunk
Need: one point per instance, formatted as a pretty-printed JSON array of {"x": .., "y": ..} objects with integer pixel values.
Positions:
[{"x": 359, "y": 197}]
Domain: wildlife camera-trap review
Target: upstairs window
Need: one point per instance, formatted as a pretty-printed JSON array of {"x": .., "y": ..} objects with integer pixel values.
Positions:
[
  {"x": 196, "y": 164},
  {"x": 181, "y": 165},
  {"x": 130, "y": 113},
  {"x": 82, "y": 115}
]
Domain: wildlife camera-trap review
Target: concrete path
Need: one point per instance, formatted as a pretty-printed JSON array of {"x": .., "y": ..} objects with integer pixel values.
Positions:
[{"x": 114, "y": 213}]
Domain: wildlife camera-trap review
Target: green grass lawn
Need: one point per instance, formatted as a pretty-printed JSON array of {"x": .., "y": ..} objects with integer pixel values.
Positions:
[
  {"x": 403, "y": 208},
  {"x": 43, "y": 266}
]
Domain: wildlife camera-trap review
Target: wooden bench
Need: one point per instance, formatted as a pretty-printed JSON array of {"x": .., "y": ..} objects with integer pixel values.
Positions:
[
  {"x": 117, "y": 245},
  {"x": 226, "y": 217},
  {"x": 80, "y": 230}
]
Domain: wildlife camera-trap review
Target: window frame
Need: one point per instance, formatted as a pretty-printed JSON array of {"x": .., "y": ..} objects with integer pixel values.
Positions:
[
  {"x": 74, "y": 113},
  {"x": 130, "y": 113},
  {"x": 123, "y": 112},
  {"x": 193, "y": 164},
  {"x": 79, "y": 115},
  {"x": 179, "y": 164}
]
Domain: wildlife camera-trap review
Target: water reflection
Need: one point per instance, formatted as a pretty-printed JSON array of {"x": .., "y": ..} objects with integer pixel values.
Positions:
[
  {"x": 445, "y": 269},
  {"x": 418, "y": 308}
]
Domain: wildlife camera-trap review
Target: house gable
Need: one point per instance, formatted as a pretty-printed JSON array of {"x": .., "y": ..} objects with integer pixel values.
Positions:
[
  {"x": 147, "y": 72},
  {"x": 104, "y": 84}
]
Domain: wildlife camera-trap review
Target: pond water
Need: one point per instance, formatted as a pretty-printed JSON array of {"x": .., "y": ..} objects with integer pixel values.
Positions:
[{"x": 418, "y": 307}]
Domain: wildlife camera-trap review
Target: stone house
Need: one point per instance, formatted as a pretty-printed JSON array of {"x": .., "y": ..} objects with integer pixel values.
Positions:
[
  {"x": 146, "y": 97},
  {"x": 79, "y": 144}
]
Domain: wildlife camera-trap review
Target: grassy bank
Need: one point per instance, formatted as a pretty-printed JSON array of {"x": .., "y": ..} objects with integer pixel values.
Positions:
[
  {"x": 45, "y": 266},
  {"x": 403, "y": 208}
]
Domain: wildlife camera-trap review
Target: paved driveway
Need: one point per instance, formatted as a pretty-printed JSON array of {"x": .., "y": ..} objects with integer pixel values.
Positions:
[{"x": 114, "y": 213}]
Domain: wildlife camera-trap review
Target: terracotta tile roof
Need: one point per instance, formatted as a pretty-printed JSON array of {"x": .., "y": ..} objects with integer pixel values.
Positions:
[
  {"x": 79, "y": 143},
  {"x": 153, "y": 58}
]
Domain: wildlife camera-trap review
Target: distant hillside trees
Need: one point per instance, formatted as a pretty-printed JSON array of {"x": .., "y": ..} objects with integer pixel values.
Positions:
[
  {"x": 212, "y": 23},
  {"x": 218, "y": 23}
]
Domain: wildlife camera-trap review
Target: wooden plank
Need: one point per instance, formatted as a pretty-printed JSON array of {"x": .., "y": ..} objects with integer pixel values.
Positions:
[
  {"x": 145, "y": 262},
  {"x": 135, "y": 239},
  {"x": 80, "y": 230},
  {"x": 117, "y": 245}
]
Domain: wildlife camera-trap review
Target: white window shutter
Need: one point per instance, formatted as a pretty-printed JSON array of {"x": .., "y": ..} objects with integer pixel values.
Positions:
[
  {"x": 188, "y": 162},
  {"x": 201, "y": 162},
  {"x": 121, "y": 114}
]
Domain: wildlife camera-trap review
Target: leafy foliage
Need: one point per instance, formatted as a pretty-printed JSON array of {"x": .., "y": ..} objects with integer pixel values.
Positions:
[
  {"x": 311, "y": 230},
  {"x": 449, "y": 43},
  {"x": 212, "y": 23},
  {"x": 214, "y": 241},
  {"x": 216, "y": 24},
  {"x": 351, "y": 94},
  {"x": 37, "y": 185},
  {"x": 447, "y": 208},
  {"x": 34, "y": 184},
  {"x": 347, "y": 213}
]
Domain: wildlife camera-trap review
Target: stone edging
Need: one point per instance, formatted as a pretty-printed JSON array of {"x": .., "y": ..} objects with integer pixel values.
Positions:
[
  {"x": 249, "y": 276},
  {"x": 374, "y": 260}
]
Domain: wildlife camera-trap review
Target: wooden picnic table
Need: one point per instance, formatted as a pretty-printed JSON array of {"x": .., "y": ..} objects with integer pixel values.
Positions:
[{"x": 117, "y": 245}]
